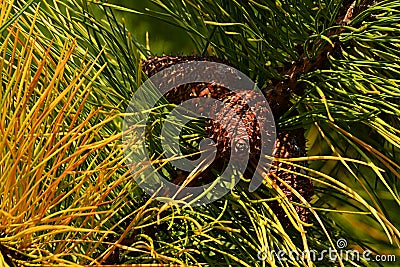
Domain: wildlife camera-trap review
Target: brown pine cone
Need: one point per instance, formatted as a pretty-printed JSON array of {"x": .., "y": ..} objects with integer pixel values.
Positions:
[{"x": 289, "y": 144}]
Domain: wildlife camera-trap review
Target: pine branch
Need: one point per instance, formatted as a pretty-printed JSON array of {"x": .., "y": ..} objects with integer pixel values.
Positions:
[{"x": 278, "y": 92}]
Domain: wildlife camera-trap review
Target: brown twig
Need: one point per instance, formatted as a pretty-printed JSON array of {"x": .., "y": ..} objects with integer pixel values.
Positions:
[{"x": 278, "y": 93}]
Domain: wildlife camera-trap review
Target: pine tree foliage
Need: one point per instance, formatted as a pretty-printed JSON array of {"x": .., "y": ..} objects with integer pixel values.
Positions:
[{"x": 69, "y": 69}]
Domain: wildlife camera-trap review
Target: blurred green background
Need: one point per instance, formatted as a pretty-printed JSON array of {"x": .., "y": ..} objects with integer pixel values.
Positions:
[{"x": 163, "y": 37}]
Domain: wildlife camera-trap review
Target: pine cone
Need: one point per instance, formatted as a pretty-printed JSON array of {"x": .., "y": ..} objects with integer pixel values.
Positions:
[{"x": 289, "y": 144}]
